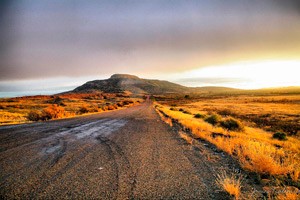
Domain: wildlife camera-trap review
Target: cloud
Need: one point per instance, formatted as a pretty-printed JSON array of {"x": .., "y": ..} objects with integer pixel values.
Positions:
[{"x": 62, "y": 38}]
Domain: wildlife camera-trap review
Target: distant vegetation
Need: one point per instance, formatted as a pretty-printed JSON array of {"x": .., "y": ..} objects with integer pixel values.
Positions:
[{"x": 43, "y": 108}]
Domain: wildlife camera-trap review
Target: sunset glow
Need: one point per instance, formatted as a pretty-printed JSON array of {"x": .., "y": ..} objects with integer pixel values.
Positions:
[{"x": 246, "y": 75}]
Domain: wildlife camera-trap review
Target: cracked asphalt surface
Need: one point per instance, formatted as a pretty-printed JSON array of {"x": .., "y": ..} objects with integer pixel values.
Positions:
[{"x": 123, "y": 154}]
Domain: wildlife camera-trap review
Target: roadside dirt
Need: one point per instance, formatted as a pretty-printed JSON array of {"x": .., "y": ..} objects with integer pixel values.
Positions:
[{"x": 125, "y": 154}]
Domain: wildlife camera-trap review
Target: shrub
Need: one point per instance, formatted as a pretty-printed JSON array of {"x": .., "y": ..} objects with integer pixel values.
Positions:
[
  {"x": 213, "y": 119},
  {"x": 33, "y": 116},
  {"x": 120, "y": 104},
  {"x": 280, "y": 136},
  {"x": 198, "y": 115},
  {"x": 127, "y": 102},
  {"x": 104, "y": 108},
  {"x": 110, "y": 107},
  {"x": 93, "y": 108},
  {"x": 83, "y": 110},
  {"x": 226, "y": 112},
  {"x": 180, "y": 109},
  {"x": 187, "y": 112},
  {"x": 232, "y": 124},
  {"x": 52, "y": 112}
]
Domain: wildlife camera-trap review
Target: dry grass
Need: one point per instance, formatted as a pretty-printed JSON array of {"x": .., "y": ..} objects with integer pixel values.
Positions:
[
  {"x": 272, "y": 113},
  {"x": 166, "y": 119},
  {"x": 187, "y": 138},
  {"x": 230, "y": 183},
  {"x": 255, "y": 149},
  {"x": 21, "y": 109},
  {"x": 288, "y": 196}
]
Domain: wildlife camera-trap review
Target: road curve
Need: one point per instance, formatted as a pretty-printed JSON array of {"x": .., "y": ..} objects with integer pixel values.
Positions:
[{"x": 124, "y": 154}]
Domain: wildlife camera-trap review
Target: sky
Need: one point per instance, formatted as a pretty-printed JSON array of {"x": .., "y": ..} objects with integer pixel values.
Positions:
[{"x": 51, "y": 46}]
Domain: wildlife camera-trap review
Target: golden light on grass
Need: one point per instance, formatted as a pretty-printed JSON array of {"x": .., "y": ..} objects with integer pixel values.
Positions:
[
  {"x": 254, "y": 148},
  {"x": 288, "y": 196},
  {"x": 187, "y": 138},
  {"x": 230, "y": 183},
  {"x": 40, "y": 108}
]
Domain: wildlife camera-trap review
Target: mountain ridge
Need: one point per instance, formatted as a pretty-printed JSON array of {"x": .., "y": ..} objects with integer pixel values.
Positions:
[{"x": 119, "y": 83}]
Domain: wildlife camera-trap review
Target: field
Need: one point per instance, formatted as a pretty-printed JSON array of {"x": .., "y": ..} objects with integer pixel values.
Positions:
[
  {"x": 262, "y": 132},
  {"x": 41, "y": 108}
]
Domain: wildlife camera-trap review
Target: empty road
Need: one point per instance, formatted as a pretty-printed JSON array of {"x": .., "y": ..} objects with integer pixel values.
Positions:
[{"x": 123, "y": 154}]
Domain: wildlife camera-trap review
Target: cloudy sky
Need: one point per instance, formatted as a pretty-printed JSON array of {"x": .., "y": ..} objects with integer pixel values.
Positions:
[{"x": 54, "y": 45}]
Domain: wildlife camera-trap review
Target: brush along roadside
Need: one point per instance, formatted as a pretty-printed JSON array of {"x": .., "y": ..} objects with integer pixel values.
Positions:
[{"x": 274, "y": 162}]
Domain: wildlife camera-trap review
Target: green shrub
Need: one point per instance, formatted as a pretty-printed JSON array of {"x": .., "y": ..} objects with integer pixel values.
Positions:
[
  {"x": 280, "y": 136},
  {"x": 198, "y": 115},
  {"x": 213, "y": 119},
  {"x": 232, "y": 124}
]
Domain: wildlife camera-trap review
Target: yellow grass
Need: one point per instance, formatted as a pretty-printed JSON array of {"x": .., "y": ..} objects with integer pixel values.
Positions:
[
  {"x": 288, "y": 196},
  {"x": 187, "y": 138},
  {"x": 255, "y": 148},
  {"x": 16, "y": 110},
  {"x": 270, "y": 112},
  {"x": 230, "y": 184}
]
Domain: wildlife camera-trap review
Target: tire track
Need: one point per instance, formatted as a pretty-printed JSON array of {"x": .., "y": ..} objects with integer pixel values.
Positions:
[
  {"x": 81, "y": 156},
  {"x": 58, "y": 173},
  {"x": 58, "y": 153},
  {"x": 120, "y": 159}
]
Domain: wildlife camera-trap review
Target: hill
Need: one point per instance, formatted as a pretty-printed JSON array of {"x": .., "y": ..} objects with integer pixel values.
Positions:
[{"x": 118, "y": 83}]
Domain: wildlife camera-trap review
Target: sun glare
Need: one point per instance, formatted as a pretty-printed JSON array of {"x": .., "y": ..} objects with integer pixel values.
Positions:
[{"x": 250, "y": 75}]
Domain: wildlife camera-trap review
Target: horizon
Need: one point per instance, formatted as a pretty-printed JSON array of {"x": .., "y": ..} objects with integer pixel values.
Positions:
[
  {"x": 57, "y": 90},
  {"x": 52, "y": 46}
]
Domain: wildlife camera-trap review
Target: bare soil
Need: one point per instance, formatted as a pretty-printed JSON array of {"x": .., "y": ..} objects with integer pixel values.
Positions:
[{"x": 124, "y": 154}]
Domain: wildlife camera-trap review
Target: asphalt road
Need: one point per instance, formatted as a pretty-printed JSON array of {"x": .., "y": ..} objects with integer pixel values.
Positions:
[{"x": 123, "y": 154}]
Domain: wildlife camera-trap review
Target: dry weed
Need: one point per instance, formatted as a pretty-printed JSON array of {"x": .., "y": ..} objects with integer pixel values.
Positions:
[{"x": 230, "y": 183}]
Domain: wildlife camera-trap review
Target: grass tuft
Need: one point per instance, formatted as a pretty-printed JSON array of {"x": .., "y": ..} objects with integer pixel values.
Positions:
[{"x": 230, "y": 183}]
